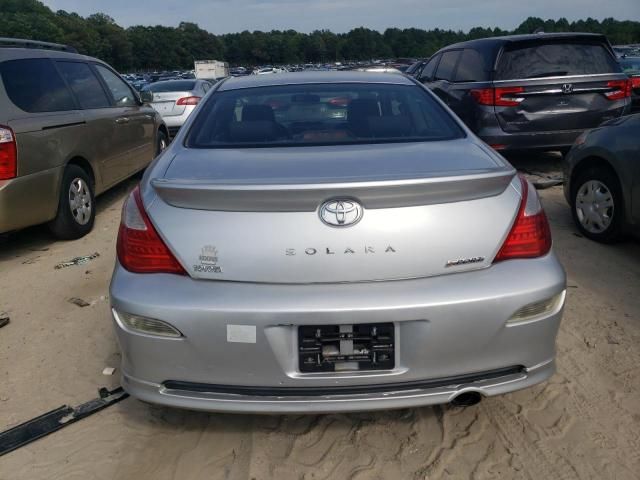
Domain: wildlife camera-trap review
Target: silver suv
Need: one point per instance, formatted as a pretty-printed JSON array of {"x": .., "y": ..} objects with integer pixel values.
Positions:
[{"x": 70, "y": 128}]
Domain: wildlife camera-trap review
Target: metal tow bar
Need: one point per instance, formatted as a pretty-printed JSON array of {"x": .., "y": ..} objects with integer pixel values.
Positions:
[{"x": 47, "y": 423}]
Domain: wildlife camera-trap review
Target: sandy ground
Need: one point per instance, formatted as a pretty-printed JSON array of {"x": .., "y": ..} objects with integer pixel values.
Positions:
[{"x": 584, "y": 423}]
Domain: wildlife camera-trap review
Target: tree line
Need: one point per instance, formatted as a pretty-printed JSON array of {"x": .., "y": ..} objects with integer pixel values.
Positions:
[{"x": 159, "y": 47}]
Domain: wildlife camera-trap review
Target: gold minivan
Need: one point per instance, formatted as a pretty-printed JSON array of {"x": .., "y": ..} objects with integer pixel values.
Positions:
[{"x": 70, "y": 128}]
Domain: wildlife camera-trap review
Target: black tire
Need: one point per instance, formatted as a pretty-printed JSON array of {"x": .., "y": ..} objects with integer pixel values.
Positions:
[
  {"x": 162, "y": 142},
  {"x": 614, "y": 230},
  {"x": 69, "y": 223}
]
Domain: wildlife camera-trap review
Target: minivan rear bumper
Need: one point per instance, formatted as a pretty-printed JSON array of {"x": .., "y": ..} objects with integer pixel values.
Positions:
[
  {"x": 502, "y": 141},
  {"x": 29, "y": 200}
]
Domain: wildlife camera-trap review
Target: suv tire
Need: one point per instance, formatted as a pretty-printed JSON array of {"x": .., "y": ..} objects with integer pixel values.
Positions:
[
  {"x": 76, "y": 205},
  {"x": 597, "y": 205}
]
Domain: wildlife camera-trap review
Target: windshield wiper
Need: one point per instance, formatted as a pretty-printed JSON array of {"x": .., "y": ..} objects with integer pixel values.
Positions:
[{"x": 548, "y": 74}]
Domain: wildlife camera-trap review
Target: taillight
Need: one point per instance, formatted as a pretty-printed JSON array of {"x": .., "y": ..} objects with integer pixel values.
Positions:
[
  {"x": 188, "y": 101},
  {"x": 635, "y": 82},
  {"x": 339, "y": 101},
  {"x": 8, "y": 154},
  {"x": 498, "y": 97},
  {"x": 530, "y": 235},
  {"x": 620, "y": 89},
  {"x": 140, "y": 248}
]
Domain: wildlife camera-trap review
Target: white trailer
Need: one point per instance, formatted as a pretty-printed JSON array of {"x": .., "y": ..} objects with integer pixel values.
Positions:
[{"x": 211, "y": 69}]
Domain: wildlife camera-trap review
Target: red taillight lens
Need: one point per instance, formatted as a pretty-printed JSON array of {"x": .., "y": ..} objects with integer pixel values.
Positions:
[
  {"x": 8, "y": 154},
  {"x": 499, "y": 97},
  {"x": 635, "y": 82},
  {"x": 188, "y": 101},
  {"x": 530, "y": 235},
  {"x": 620, "y": 89},
  {"x": 339, "y": 101},
  {"x": 507, "y": 96},
  {"x": 483, "y": 96},
  {"x": 140, "y": 248},
  {"x": 498, "y": 146}
]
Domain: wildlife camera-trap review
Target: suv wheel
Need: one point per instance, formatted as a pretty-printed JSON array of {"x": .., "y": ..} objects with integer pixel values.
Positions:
[
  {"x": 597, "y": 205},
  {"x": 76, "y": 206}
]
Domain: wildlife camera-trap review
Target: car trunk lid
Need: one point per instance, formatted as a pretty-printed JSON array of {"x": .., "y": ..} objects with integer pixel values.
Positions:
[
  {"x": 165, "y": 103},
  {"x": 254, "y": 214}
]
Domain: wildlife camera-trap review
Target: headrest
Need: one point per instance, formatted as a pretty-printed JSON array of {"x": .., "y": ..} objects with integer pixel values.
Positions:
[
  {"x": 399, "y": 126},
  {"x": 361, "y": 108},
  {"x": 258, "y": 113},
  {"x": 253, "y": 131}
]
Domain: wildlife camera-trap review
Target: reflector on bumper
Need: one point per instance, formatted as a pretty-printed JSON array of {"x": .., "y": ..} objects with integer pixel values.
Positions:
[
  {"x": 535, "y": 310},
  {"x": 145, "y": 325}
]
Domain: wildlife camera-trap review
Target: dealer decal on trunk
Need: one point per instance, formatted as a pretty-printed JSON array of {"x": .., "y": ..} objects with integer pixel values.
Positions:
[{"x": 208, "y": 261}]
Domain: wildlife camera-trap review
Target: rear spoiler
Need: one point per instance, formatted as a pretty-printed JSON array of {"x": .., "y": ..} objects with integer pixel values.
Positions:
[{"x": 251, "y": 197}]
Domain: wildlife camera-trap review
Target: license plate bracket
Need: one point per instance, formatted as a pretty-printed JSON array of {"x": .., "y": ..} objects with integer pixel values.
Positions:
[{"x": 331, "y": 348}]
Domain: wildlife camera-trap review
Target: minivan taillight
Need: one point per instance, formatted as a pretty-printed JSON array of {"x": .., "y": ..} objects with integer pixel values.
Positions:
[
  {"x": 8, "y": 154},
  {"x": 188, "y": 101},
  {"x": 140, "y": 248},
  {"x": 530, "y": 235},
  {"x": 498, "y": 97},
  {"x": 620, "y": 89}
]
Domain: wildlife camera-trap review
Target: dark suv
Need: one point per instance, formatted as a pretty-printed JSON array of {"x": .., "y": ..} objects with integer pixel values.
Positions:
[{"x": 527, "y": 92}]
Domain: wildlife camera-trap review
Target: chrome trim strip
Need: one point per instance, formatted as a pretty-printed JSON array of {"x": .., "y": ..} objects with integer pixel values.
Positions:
[{"x": 562, "y": 77}]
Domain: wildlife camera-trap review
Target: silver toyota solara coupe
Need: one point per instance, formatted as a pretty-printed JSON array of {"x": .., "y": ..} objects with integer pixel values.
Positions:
[{"x": 318, "y": 242}]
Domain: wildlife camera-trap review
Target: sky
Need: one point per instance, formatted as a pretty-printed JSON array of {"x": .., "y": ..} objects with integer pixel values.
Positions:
[{"x": 227, "y": 16}]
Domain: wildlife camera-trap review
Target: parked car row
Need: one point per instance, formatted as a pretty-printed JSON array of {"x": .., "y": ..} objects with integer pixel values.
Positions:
[{"x": 328, "y": 240}]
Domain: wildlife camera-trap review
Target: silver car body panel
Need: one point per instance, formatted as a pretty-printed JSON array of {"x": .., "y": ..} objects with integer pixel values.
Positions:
[
  {"x": 445, "y": 326},
  {"x": 165, "y": 103},
  {"x": 427, "y": 209}
]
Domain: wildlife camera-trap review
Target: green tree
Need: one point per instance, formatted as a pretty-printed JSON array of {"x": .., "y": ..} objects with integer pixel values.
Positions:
[{"x": 161, "y": 48}]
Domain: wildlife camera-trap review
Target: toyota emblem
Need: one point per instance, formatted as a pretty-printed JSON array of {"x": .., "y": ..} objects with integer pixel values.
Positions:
[{"x": 341, "y": 212}]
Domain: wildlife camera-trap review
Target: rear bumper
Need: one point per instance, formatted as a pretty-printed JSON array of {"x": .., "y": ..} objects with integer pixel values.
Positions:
[
  {"x": 438, "y": 391},
  {"x": 446, "y": 328},
  {"x": 502, "y": 141},
  {"x": 29, "y": 200},
  {"x": 174, "y": 122}
]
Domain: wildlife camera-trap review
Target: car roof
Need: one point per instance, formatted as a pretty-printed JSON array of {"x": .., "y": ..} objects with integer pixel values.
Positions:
[
  {"x": 500, "y": 41},
  {"x": 302, "y": 78},
  {"x": 11, "y": 53}
]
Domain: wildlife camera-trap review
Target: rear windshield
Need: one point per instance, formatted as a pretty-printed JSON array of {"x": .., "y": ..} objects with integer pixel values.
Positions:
[
  {"x": 171, "y": 86},
  {"x": 555, "y": 59},
  {"x": 630, "y": 66},
  {"x": 320, "y": 114}
]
